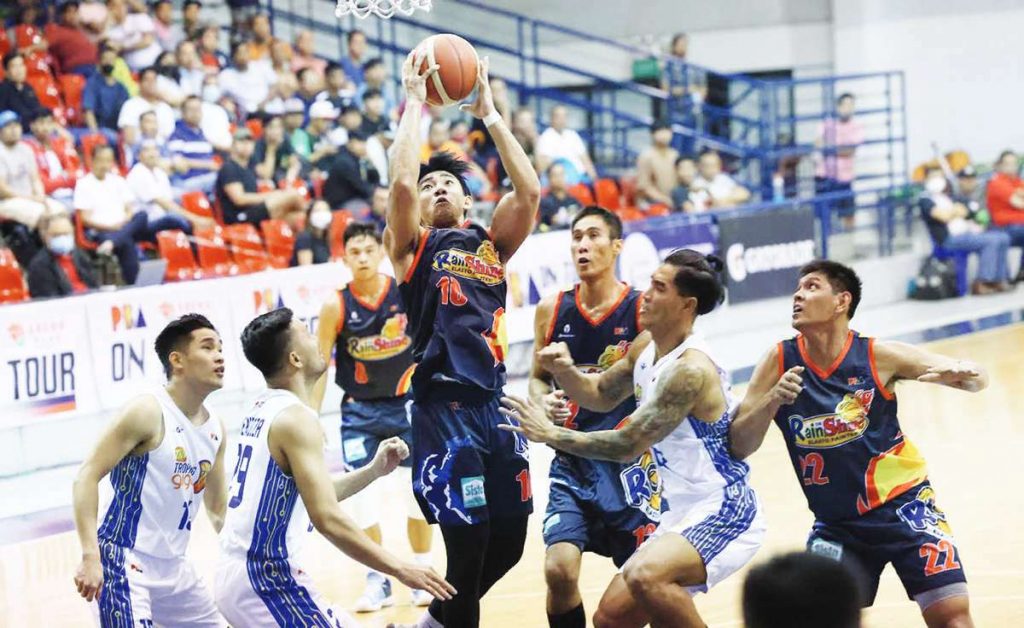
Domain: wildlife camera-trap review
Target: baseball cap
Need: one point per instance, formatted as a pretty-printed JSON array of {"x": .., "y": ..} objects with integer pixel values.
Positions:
[
  {"x": 243, "y": 133},
  {"x": 8, "y": 117},
  {"x": 323, "y": 109},
  {"x": 967, "y": 172},
  {"x": 294, "y": 105}
]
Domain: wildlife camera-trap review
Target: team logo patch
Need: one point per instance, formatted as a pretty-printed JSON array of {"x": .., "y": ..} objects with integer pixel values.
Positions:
[
  {"x": 473, "y": 495},
  {"x": 922, "y": 515},
  {"x": 179, "y": 454},
  {"x": 828, "y": 549},
  {"x": 483, "y": 266},
  {"x": 847, "y": 423},
  {"x": 641, "y": 483},
  {"x": 391, "y": 341},
  {"x": 204, "y": 470},
  {"x": 612, "y": 354}
]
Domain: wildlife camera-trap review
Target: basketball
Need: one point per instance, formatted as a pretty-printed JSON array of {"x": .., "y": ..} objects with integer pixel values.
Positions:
[{"x": 456, "y": 76}]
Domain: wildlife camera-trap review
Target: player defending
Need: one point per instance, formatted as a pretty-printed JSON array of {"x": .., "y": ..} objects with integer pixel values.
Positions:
[
  {"x": 163, "y": 452},
  {"x": 468, "y": 476},
  {"x": 830, "y": 391},
  {"x": 594, "y": 505},
  {"x": 713, "y": 524},
  {"x": 366, "y": 322},
  {"x": 281, "y": 484}
]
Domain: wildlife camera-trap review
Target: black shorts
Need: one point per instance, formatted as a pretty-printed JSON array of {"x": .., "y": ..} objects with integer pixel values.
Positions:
[
  {"x": 253, "y": 215},
  {"x": 364, "y": 424}
]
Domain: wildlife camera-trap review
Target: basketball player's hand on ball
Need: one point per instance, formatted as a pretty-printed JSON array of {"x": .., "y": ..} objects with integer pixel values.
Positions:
[
  {"x": 389, "y": 455},
  {"x": 425, "y": 578},
  {"x": 555, "y": 358},
  {"x": 532, "y": 423},
  {"x": 414, "y": 76},
  {"x": 556, "y": 406},
  {"x": 962, "y": 375},
  {"x": 789, "y": 386},
  {"x": 89, "y": 577},
  {"x": 484, "y": 103}
]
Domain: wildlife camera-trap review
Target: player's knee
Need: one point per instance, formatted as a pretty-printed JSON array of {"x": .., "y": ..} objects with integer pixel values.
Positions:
[
  {"x": 606, "y": 618},
  {"x": 641, "y": 578},
  {"x": 561, "y": 575},
  {"x": 951, "y": 615}
]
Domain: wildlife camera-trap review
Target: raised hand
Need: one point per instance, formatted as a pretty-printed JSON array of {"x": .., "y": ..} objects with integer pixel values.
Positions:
[
  {"x": 484, "y": 103},
  {"x": 414, "y": 80}
]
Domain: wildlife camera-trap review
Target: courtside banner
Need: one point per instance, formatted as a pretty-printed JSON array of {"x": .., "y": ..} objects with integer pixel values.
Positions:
[
  {"x": 541, "y": 267},
  {"x": 123, "y": 327},
  {"x": 650, "y": 241},
  {"x": 46, "y": 363},
  {"x": 763, "y": 252}
]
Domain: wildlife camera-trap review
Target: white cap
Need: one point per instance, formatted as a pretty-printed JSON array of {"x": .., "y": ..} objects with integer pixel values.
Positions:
[
  {"x": 323, "y": 109},
  {"x": 294, "y": 105}
]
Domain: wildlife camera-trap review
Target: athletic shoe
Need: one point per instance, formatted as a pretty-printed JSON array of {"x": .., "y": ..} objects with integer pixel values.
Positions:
[
  {"x": 376, "y": 595},
  {"x": 421, "y": 598}
]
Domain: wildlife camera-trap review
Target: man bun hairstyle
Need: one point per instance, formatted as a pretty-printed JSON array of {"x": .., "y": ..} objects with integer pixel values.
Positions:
[{"x": 698, "y": 276}]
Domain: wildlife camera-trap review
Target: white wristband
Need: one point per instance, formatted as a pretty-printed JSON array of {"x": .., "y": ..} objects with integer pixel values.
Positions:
[{"x": 491, "y": 119}]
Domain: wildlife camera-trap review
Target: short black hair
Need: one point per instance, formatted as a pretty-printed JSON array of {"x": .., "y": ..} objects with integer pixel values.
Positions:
[
  {"x": 350, "y": 108},
  {"x": 614, "y": 222},
  {"x": 11, "y": 56},
  {"x": 372, "y": 63},
  {"x": 708, "y": 151},
  {"x": 186, "y": 4},
  {"x": 304, "y": 71},
  {"x": 265, "y": 340},
  {"x": 801, "y": 590},
  {"x": 190, "y": 98},
  {"x": 352, "y": 35},
  {"x": 659, "y": 125},
  {"x": 841, "y": 277},
  {"x": 446, "y": 162},
  {"x": 845, "y": 96},
  {"x": 332, "y": 66},
  {"x": 682, "y": 158},
  {"x": 149, "y": 69},
  {"x": 1003, "y": 155},
  {"x": 698, "y": 276},
  {"x": 99, "y": 148},
  {"x": 176, "y": 335},
  {"x": 358, "y": 229},
  {"x": 373, "y": 92},
  {"x": 358, "y": 135},
  {"x": 38, "y": 114},
  {"x": 64, "y": 6}
]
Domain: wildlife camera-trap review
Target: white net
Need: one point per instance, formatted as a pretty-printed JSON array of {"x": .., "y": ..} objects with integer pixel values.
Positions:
[{"x": 381, "y": 8}]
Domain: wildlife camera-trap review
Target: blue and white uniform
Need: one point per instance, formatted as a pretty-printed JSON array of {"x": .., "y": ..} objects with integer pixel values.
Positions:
[
  {"x": 146, "y": 513},
  {"x": 709, "y": 500},
  {"x": 259, "y": 580}
]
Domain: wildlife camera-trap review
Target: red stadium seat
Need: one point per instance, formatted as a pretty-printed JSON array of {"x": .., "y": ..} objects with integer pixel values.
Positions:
[
  {"x": 26, "y": 35},
  {"x": 13, "y": 288},
  {"x": 81, "y": 241},
  {"x": 5, "y": 43},
  {"x": 336, "y": 233},
  {"x": 71, "y": 88},
  {"x": 581, "y": 192},
  {"x": 630, "y": 214},
  {"x": 46, "y": 90},
  {"x": 658, "y": 210},
  {"x": 628, "y": 185},
  {"x": 197, "y": 203},
  {"x": 607, "y": 194},
  {"x": 214, "y": 257},
  {"x": 89, "y": 142},
  {"x": 280, "y": 241},
  {"x": 174, "y": 247},
  {"x": 246, "y": 248},
  {"x": 298, "y": 185}
]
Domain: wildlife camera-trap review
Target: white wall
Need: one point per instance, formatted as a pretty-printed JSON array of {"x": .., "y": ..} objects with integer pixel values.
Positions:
[{"x": 962, "y": 63}]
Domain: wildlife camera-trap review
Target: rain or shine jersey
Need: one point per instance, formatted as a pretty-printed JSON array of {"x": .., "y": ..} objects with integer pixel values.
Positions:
[
  {"x": 373, "y": 355},
  {"x": 454, "y": 293},
  {"x": 595, "y": 345},
  {"x": 843, "y": 435}
]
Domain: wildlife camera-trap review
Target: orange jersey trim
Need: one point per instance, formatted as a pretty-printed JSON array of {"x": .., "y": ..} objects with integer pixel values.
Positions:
[
  {"x": 416, "y": 260},
  {"x": 879, "y": 384},
  {"x": 380, "y": 298},
  {"x": 554, "y": 317},
  {"x": 820, "y": 372},
  {"x": 608, "y": 312}
]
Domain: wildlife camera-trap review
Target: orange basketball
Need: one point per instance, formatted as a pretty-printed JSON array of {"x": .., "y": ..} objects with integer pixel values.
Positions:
[{"x": 456, "y": 76}]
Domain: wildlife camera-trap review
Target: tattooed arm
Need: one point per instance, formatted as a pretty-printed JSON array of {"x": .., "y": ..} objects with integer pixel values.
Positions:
[
  {"x": 674, "y": 396},
  {"x": 600, "y": 392}
]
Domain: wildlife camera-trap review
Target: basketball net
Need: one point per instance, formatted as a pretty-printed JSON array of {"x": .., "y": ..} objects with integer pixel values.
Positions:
[{"x": 382, "y": 8}]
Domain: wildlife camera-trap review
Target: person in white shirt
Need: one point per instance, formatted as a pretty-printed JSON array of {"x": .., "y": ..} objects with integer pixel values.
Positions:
[
  {"x": 216, "y": 123},
  {"x": 559, "y": 142},
  {"x": 22, "y": 197},
  {"x": 107, "y": 210},
  {"x": 191, "y": 68},
  {"x": 152, "y": 189},
  {"x": 147, "y": 100},
  {"x": 250, "y": 84},
  {"x": 377, "y": 151},
  {"x": 714, "y": 189},
  {"x": 134, "y": 34}
]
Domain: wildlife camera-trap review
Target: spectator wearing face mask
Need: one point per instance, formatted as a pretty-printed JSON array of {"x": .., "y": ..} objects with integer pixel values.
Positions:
[
  {"x": 216, "y": 123},
  {"x": 952, "y": 223},
  {"x": 312, "y": 244},
  {"x": 59, "y": 269},
  {"x": 104, "y": 97}
]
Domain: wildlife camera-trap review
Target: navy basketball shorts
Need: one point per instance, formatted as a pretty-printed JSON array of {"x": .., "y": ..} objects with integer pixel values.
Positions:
[
  {"x": 910, "y": 532},
  {"x": 465, "y": 470},
  {"x": 364, "y": 424}
]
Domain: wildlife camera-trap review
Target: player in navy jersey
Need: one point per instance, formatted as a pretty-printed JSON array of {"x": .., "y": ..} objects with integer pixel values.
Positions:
[
  {"x": 593, "y": 505},
  {"x": 830, "y": 392},
  {"x": 164, "y": 452},
  {"x": 365, "y": 326},
  {"x": 468, "y": 476}
]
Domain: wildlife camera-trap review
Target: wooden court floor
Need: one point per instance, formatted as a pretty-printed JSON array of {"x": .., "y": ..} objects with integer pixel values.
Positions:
[{"x": 974, "y": 444}]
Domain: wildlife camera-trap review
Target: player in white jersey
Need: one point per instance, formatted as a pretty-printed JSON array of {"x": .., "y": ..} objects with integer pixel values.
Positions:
[
  {"x": 281, "y": 485},
  {"x": 163, "y": 452},
  {"x": 713, "y": 525}
]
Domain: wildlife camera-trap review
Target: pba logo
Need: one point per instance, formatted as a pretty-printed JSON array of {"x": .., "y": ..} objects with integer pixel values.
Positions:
[
  {"x": 266, "y": 300},
  {"x": 126, "y": 317},
  {"x": 391, "y": 341},
  {"x": 483, "y": 266},
  {"x": 641, "y": 483},
  {"x": 846, "y": 424}
]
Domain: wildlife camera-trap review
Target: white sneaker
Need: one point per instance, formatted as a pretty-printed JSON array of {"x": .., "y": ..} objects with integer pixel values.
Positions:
[
  {"x": 421, "y": 598},
  {"x": 376, "y": 595}
]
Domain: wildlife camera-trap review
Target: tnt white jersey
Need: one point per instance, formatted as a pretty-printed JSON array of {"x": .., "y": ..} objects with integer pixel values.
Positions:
[
  {"x": 266, "y": 517},
  {"x": 152, "y": 499},
  {"x": 709, "y": 501}
]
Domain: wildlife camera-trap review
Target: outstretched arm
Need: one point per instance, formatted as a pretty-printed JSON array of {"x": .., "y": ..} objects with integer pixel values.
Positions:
[
  {"x": 899, "y": 360},
  {"x": 402, "y": 231},
  {"x": 516, "y": 212},
  {"x": 767, "y": 392},
  {"x": 673, "y": 398}
]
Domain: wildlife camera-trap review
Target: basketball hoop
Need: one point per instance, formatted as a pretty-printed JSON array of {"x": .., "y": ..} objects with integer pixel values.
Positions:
[{"x": 382, "y": 8}]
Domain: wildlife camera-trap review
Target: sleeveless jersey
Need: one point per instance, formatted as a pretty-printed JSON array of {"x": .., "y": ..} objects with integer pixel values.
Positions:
[
  {"x": 266, "y": 519},
  {"x": 694, "y": 460},
  {"x": 454, "y": 292},
  {"x": 373, "y": 352},
  {"x": 843, "y": 435},
  {"x": 152, "y": 499},
  {"x": 595, "y": 345}
]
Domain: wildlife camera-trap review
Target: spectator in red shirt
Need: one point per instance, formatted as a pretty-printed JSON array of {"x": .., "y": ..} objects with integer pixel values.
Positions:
[
  {"x": 60, "y": 269},
  {"x": 70, "y": 44},
  {"x": 1006, "y": 201},
  {"x": 58, "y": 162}
]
